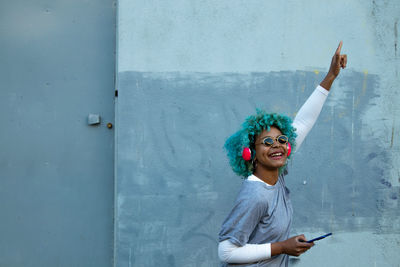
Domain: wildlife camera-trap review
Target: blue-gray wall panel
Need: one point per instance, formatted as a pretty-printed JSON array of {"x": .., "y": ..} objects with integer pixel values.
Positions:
[{"x": 208, "y": 64}]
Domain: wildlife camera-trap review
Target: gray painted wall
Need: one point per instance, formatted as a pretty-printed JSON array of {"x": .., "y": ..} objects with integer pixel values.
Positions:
[
  {"x": 56, "y": 172},
  {"x": 189, "y": 72}
]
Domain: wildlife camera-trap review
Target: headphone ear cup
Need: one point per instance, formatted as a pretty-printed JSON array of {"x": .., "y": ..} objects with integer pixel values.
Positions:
[
  {"x": 289, "y": 149},
  {"x": 246, "y": 154}
]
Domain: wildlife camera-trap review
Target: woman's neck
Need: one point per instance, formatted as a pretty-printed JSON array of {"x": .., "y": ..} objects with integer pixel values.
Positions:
[{"x": 270, "y": 176}]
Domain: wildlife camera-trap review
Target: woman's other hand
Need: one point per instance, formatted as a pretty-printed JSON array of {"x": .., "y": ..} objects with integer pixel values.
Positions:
[{"x": 294, "y": 246}]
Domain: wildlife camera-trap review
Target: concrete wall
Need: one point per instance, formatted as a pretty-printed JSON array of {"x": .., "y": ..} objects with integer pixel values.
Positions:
[
  {"x": 56, "y": 171},
  {"x": 189, "y": 72}
]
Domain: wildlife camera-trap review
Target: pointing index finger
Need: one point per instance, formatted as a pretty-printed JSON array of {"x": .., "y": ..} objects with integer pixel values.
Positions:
[{"x": 339, "y": 48}]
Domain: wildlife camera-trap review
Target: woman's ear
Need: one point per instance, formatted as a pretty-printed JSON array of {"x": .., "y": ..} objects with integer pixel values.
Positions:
[{"x": 289, "y": 149}]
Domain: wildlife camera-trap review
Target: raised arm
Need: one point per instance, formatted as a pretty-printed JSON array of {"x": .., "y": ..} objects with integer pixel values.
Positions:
[{"x": 309, "y": 112}]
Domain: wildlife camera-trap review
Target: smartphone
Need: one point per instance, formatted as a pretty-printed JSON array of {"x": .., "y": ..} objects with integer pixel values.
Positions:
[{"x": 318, "y": 238}]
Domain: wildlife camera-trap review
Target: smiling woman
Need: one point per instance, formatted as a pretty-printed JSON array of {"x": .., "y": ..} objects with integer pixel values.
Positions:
[{"x": 256, "y": 232}]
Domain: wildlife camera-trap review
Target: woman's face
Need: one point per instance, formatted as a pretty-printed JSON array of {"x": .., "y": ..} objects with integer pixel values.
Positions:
[{"x": 270, "y": 157}]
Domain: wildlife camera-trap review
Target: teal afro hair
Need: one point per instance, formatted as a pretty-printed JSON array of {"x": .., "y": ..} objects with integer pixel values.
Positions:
[{"x": 246, "y": 136}]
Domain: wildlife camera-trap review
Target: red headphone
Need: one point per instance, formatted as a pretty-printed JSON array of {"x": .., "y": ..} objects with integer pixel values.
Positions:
[{"x": 246, "y": 154}]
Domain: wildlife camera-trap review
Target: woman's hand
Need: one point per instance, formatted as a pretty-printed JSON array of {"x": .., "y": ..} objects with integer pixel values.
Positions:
[
  {"x": 294, "y": 246},
  {"x": 338, "y": 61}
]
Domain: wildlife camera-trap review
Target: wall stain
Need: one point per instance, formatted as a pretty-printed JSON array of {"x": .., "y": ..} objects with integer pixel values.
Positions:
[
  {"x": 372, "y": 156},
  {"x": 387, "y": 183},
  {"x": 194, "y": 231},
  {"x": 363, "y": 90},
  {"x": 391, "y": 140},
  {"x": 395, "y": 38}
]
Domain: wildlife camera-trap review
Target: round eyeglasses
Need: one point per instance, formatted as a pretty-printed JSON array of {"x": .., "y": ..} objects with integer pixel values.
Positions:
[{"x": 269, "y": 141}]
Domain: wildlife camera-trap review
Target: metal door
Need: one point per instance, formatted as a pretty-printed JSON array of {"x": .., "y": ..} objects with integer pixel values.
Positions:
[{"x": 56, "y": 169}]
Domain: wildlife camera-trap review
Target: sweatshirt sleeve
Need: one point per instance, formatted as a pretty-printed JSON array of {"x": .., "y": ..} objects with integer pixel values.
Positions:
[{"x": 231, "y": 253}]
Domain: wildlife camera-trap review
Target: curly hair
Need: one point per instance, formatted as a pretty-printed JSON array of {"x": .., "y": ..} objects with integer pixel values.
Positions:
[{"x": 246, "y": 136}]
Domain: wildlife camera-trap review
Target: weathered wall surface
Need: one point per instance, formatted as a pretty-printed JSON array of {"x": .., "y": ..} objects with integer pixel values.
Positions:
[{"x": 189, "y": 73}]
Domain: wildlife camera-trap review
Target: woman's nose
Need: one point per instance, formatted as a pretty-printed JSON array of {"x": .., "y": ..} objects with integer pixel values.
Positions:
[{"x": 275, "y": 144}]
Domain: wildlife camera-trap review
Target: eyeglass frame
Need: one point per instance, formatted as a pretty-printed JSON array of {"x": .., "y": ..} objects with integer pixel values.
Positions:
[{"x": 274, "y": 139}]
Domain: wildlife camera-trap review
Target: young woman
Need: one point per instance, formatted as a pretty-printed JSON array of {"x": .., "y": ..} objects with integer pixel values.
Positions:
[{"x": 256, "y": 232}]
